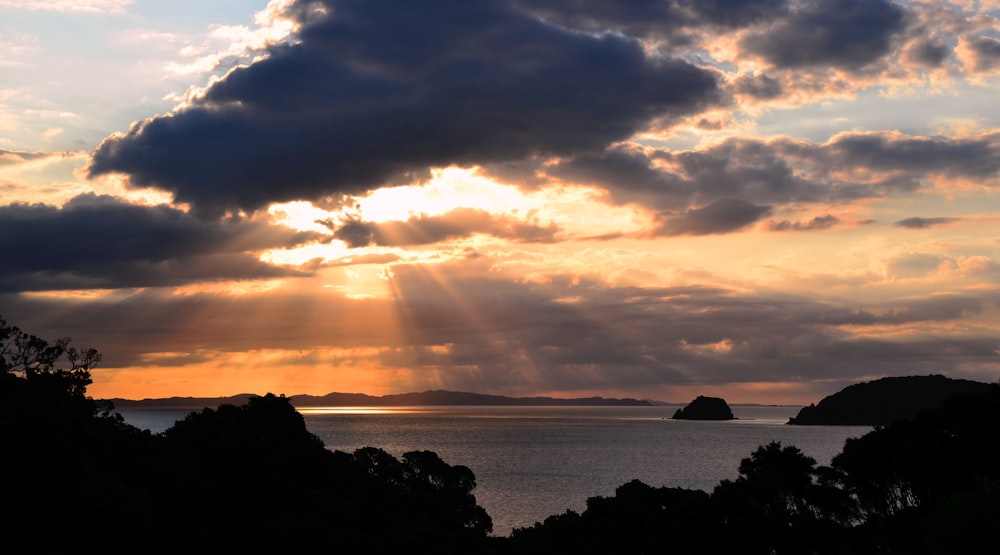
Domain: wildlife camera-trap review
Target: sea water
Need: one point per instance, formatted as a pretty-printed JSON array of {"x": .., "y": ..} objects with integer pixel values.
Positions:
[{"x": 533, "y": 462}]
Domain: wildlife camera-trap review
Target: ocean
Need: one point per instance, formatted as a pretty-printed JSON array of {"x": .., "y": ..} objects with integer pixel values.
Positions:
[{"x": 533, "y": 462}]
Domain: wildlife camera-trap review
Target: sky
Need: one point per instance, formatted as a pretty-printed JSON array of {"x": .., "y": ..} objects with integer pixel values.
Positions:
[{"x": 764, "y": 200}]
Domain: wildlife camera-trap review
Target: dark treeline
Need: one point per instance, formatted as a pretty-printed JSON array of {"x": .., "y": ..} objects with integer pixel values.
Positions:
[
  {"x": 238, "y": 479},
  {"x": 252, "y": 479}
]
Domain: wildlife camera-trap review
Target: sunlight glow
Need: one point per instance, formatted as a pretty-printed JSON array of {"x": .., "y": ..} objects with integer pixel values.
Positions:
[
  {"x": 447, "y": 189},
  {"x": 77, "y": 294},
  {"x": 301, "y": 215},
  {"x": 234, "y": 288},
  {"x": 352, "y": 410}
]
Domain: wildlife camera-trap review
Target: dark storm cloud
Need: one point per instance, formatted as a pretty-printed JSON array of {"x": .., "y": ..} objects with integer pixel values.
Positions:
[
  {"x": 908, "y": 311},
  {"x": 423, "y": 229},
  {"x": 923, "y": 223},
  {"x": 817, "y": 223},
  {"x": 751, "y": 169},
  {"x": 782, "y": 171},
  {"x": 754, "y": 171},
  {"x": 102, "y": 242},
  {"x": 920, "y": 356},
  {"x": 722, "y": 216},
  {"x": 374, "y": 89},
  {"x": 847, "y": 34},
  {"x": 734, "y": 13},
  {"x": 628, "y": 174},
  {"x": 662, "y": 19},
  {"x": 976, "y": 158}
]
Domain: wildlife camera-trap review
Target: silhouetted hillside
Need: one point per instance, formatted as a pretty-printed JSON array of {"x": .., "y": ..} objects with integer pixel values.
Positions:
[
  {"x": 426, "y": 398},
  {"x": 194, "y": 403},
  {"x": 881, "y": 401}
]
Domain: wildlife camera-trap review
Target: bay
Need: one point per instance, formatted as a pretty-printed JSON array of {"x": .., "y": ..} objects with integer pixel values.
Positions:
[{"x": 533, "y": 462}]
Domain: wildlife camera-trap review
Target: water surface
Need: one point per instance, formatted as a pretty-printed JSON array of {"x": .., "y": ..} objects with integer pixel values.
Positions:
[{"x": 533, "y": 462}]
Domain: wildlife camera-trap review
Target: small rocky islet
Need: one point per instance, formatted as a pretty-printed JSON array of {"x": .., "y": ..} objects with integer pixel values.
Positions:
[{"x": 705, "y": 408}]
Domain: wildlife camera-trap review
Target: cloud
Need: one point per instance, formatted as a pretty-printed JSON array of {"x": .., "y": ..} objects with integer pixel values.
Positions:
[
  {"x": 86, "y": 6},
  {"x": 671, "y": 20},
  {"x": 127, "y": 326},
  {"x": 629, "y": 175},
  {"x": 985, "y": 53},
  {"x": 783, "y": 171},
  {"x": 722, "y": 216},
  {"x": 846, "y": 34},
  {"x": 624, "y": 337},
  {"x": 928, "y": 53},
  {"x": 909, "y": 311},
  {"x": 375, "y": 89},
  {"x": 760, "y": 87},
  {"x": 757, "y": 171},
  {"x": 377, "y": 259},
  {"x": 923, "y": 223},
  {"x": 486, "y": 331},
  {"x": 817, "y": 223},
  {"x": 459, "y": 223},
  {"x": 950, "y": 157},
  {"x": 102, "y": 242},
  {"x": 10, "y": 157}
]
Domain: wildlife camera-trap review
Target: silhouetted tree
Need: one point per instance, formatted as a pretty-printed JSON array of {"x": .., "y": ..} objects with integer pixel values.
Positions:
[
  {"x": 235, "y": 479},
  {"x": 71, "y": 470},
  {"x": 279, "y": 481},
  {"x": 780, "y": 504},
  {"x": 930, "y": 477},
  {"x": 637, "y": 519}
]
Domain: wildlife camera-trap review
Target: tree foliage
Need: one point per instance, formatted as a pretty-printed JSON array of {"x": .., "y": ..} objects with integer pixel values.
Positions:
[{"x": 248, "y": 478}]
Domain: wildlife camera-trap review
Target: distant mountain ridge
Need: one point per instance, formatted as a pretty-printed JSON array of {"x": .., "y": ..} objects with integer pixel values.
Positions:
[
  {"x": 425, "y": 398},
  {"x": 879, "y": 402}
]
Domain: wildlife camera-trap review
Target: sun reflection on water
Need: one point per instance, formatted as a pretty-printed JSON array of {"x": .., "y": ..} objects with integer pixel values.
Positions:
[{"x": 355, "y": 410}]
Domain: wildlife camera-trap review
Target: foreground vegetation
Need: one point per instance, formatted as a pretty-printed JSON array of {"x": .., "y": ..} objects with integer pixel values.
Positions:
[{"x": 252, "y": 479}]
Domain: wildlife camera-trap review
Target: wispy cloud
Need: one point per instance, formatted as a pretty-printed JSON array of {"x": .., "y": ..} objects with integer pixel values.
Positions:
[
  {"x": 459, "y": 223},
  {"x": 923, "y": 223},
  {"x": 86, "y": 6},
  {"x": 817, "y": 223}
]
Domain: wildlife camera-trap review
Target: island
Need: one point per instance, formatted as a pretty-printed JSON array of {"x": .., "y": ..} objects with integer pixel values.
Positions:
[
  {"x": 880, "y": 402},
  {"x": 705, "y": 408}
]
